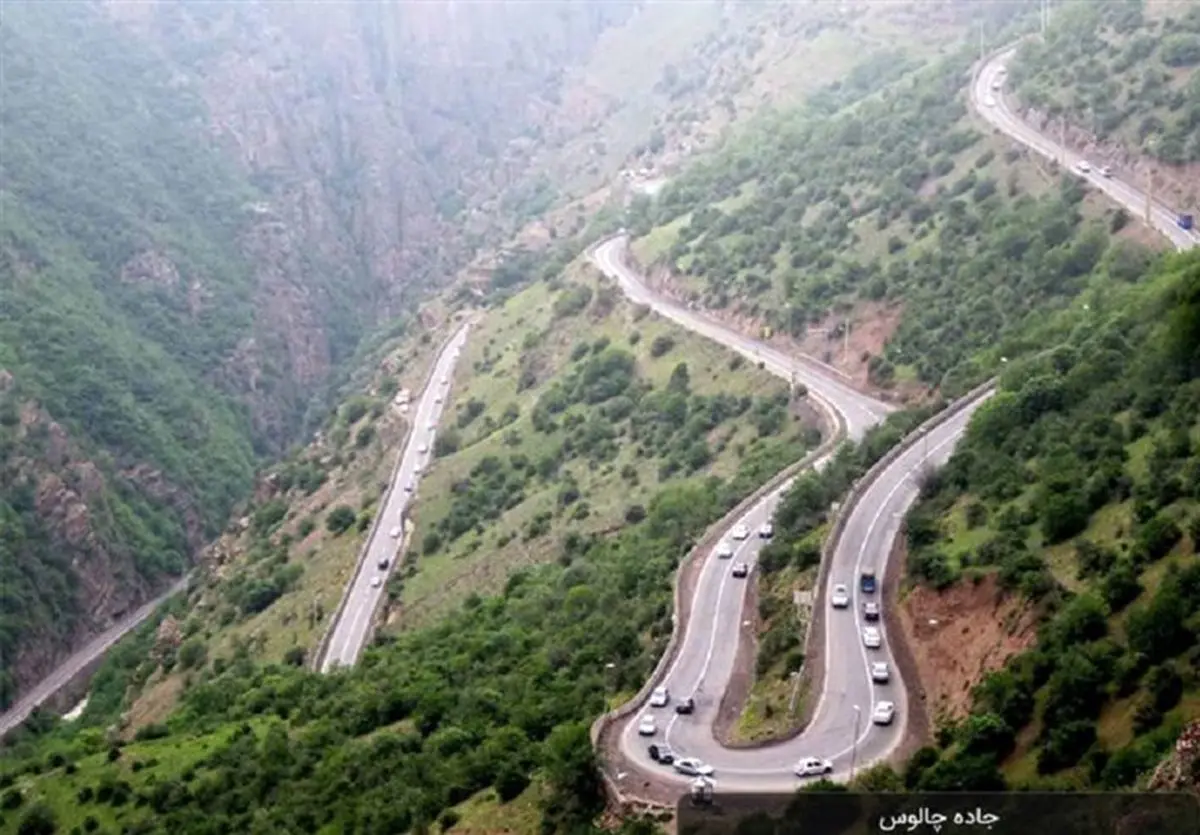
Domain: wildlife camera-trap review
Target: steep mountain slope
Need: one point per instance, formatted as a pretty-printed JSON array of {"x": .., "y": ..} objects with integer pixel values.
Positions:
[
  {"x": 1077, "y": 486},
  {"x": 205, "y": 206},
  {"x": 1121, "y": 81}
]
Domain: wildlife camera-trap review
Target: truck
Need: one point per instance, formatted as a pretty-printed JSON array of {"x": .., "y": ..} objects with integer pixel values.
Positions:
[
  {"x": 1186, "y": 221},
  {"x": 867, "y": 581}
]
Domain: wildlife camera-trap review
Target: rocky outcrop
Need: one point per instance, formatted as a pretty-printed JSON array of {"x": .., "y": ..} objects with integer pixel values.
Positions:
[{"x": 1180, "y": 771}]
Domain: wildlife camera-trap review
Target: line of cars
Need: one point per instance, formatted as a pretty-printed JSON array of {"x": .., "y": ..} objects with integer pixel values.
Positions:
[
  {"x": 740, "y": 533},
  {"x": 409, "y": 486},
  {"x": 884, "y": 711}
]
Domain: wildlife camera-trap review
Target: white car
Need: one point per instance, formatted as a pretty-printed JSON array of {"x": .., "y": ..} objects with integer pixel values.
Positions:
[
  {"x": 693, "y": 767},
  {"x": 395, "y": 532},
  {"x": 840, "y": 598},
  {"x": 997, "y": 84},
  {"x": 879, "y": 672},
  {"x": 740, "y": 532},
  {"x": 1083, "y": 166},
  {"x": 432, "y": 425},
  {"x": 445, "y": 381},
  {"x": 1106, "y": 171},
  {"x": 766, "y": 531},
  {"x": 871, "y": 638},
  {"x": 660, "y": 697},
  {"x": 437, "y": 399},
  {"x": 884, "y": 713},
  {"x": 724, "y": 549},
  {"x": 812, "y": 767},
  {"x": 376, "y": 582},
  {"x": 408, "y": 488},
  {"x": 741, "y": 570},
  {"x": 647, "y": 727},
  {"x": 990, "y": 101},
  {"x": 422, "y": 449}
]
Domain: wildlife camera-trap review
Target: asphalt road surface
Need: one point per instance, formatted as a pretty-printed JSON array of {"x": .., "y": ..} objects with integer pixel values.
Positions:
[
  {"x": 354, "y": 625},
  {"x": 860, "y": 411},
  {"x": 841, "y": 729},
  {"x": 70, "y": 668},
  {"x": 987, "y": 96}
]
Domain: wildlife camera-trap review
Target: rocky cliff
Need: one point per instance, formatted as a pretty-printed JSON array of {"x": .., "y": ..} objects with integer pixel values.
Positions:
[{"x": 205, "y": 208}]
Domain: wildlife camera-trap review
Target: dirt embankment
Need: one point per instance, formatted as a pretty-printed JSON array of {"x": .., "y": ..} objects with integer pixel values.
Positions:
[
  {"x": 959, "y": 635},
  {"x": 872, "y": 324}
]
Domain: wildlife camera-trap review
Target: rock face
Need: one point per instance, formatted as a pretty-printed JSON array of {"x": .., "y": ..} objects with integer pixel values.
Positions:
[{"x": 186, "y": 309}]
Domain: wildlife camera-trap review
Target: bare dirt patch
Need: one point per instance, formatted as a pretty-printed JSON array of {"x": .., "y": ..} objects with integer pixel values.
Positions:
[
  {"x": 154, "y": 704},
  {"x": 959, "y": 635}
]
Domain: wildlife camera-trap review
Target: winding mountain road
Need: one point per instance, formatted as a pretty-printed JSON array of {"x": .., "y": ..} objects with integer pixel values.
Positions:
[
  {"x": 987, "y": 97},
  {"x": 841, "y": 729}
]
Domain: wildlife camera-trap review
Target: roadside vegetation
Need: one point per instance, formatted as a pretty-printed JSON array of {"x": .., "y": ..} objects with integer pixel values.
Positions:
[
  {"x": 899, "y": 205},
  {"x": 1078, "y": 485},
  {"x": 1127, "y": 72},
  {"x": 570, "y": 410}
]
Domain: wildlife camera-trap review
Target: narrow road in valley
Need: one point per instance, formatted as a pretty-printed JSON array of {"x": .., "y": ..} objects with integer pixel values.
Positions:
[
  {"x": 76, "y": 663},
  {"x": 377, "y": 559},
  {"x": 987, "y": 97},
  {"x": 841, "y": 729}
]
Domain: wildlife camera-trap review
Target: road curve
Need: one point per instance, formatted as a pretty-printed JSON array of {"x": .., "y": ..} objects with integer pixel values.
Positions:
[
  {"x": 987, "y": 97},
  {"x": 860, "y": 411},
  {"x": 706, "y": 655},
  {"x": 353, "y": 625},
  {"x": 79, "y": 660}
]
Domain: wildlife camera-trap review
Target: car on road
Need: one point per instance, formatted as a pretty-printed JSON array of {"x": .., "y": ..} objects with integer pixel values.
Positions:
[
  {"x": 445, "y": 381},
  {"x": 997, "y": 84},
  {"x": 376, "y": 582},
  {"x": 437, "y": 399},
  {"x": 1106, "y": 171},
  {"x": 884, "y": 713},
  {"x": 647, "y": 726},
  {"x": 741, "y": 570},
  {"x": 840, "y": 598},
  {"x": 686, "y": 707},
  {"x": 740, "y": 531},
  {"x": 880, "y": 673},
  {"x": 1083, "y": 166},
  {"x": 395, "y": 532},
  {"x": 812, "y": 767},
  {"x": 423, "y": 448},
  {"x": 724, "y": 549},
  {"x": 432, "y": 425},
  {"x": 766, "y": 531},
  {"x": 661, "y": 697},
  {"x": 867, "y": 581},
  {"x": 661, "y": 754},
  {"x": 871, "y": 638},
  {"x": 693, "y": 767},
  {"x": 383, "y": 564},
  {"x": 871, "y": 610},
  {"x": 408, "y": 487},
  {"x": 990, "y": 101}
]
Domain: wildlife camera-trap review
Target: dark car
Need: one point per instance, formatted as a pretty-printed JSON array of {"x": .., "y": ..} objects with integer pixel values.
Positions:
[
  {"x": 383, "y": 564},
  {"x": 871, "y": 610},
  {"x": 661, "y": 754},
  {"x": 688, "y": 705}
]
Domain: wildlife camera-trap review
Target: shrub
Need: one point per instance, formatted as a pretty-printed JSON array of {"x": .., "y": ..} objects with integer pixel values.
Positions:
[{"x": 340, "y": 519}]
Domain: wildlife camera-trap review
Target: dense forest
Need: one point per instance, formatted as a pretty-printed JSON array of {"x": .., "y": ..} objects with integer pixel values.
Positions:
[
  {"x": 1121, "y": 70},
  {"x": 1079, "y": 485}
]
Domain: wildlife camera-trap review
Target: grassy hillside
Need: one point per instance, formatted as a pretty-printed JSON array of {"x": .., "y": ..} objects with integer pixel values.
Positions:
[
  {"x": 898, "y": 213},
  {"x": 1125, "y": 71},
  {"x": 571, "y": 408},
  {"x": 1079, "y": 484}
]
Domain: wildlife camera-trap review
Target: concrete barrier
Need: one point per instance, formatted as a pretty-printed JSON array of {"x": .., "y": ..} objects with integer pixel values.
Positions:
[
  {"x": 323, "y": 646},
  {"x": 681, "y": 607}
]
